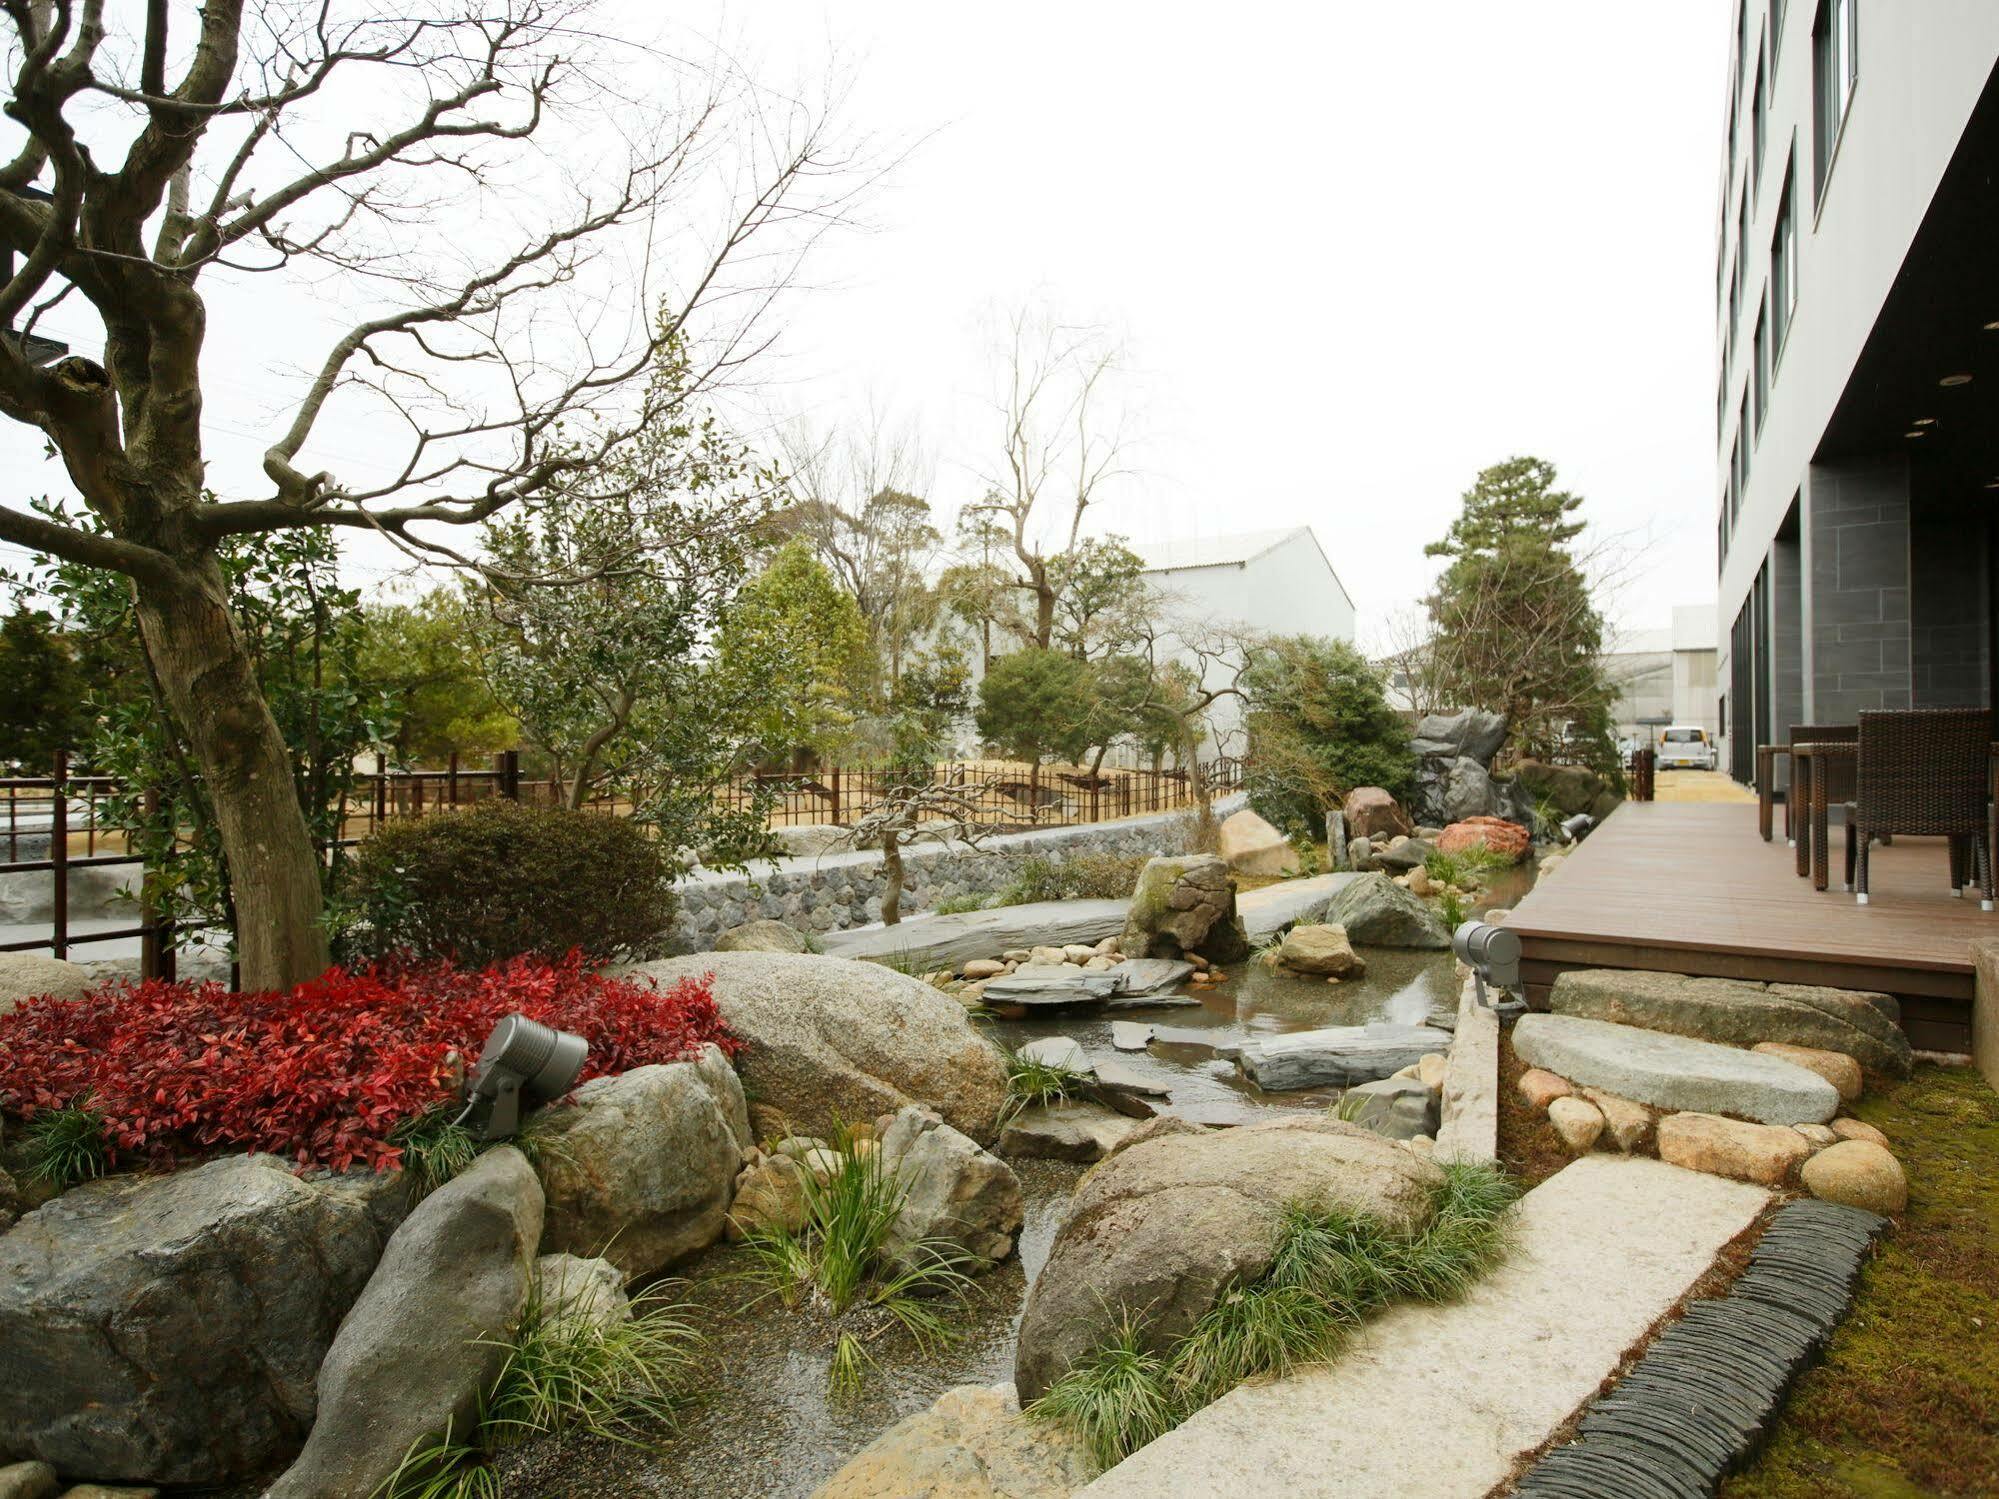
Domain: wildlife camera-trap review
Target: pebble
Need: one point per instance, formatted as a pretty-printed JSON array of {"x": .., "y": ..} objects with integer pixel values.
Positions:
[{"x": 1577, "y": 1121}]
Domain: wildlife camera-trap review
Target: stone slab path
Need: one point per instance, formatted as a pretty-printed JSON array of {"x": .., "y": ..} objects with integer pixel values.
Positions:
[
  {"x": 1435, "y": 1402},
  {"x": 924, "y": 942},
  {"x": 1293, "y": 901}
]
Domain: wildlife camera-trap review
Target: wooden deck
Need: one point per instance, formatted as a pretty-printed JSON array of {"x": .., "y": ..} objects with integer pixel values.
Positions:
[{"x": 1686, "y": 888}]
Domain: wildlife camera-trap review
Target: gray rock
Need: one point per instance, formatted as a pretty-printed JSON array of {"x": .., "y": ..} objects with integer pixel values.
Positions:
[
  {"x": 167, "y": 1328},
  {"x": 946, "y": 941},
  {"x": 1184, "y": 905},
  {"x": 1166, "y": 1225},
  {"x": 1377, "y": 912},
  {"x": 1058, "y": 1051},
  {"x": 1335, "y": 1056},
  {"x": 640, "y": 1167},
  {"x": 27, "y": 975},
  {"x": 1360, "y": 855},
  {"x": 959, "y": 1201},
  {"x": 826, "y": 1039},
  {"x": 1675, "y": 1072},
  {"x": 1449, "y": 791},
  {"x": 1130, "y": 1035},
  {"x": 1569, "y": 788},
  {"x": 1861, "y": 1024},
  {"x": 1064, "y": 1132},
  {"x": 591, "y": 1292},
  {"x": 1270, "y": 910},
  {"x": 1249, "y": 845},
  {"x": 1336, "y": 839},
  {"x": 973, "y": 1443},
  {"x": 1137, "y": 977},
  {"x": 1400, "y": 1108},
  {"x": 428, "y": 1337},
  {"x": 764, "y": 935},
  {"x": 1470, "y": 733},
  {"x": 1047, "y": 985},
  {"x": 1404, "y": 856},
  {"x": 814, "y": 839},
  {"x": 1123, "y": 1079},
  {"x": 1321, "y": 952}
]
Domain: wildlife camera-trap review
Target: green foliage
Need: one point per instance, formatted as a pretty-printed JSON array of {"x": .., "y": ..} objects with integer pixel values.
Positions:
[
  {"x": 567, "y": 1373},
  {"x": 1329, "y": 1271},
  {"x": 1465, "y": 868},
  {"x": 1078, "y": 877},
  {"x": 435, "y": 1148},
  {"x": 41, "y": 691},
  {"x": 956, "y": 904},
  {"x": 1515, "y": 628},
  {"x": 1038, "y": 704},
  {"x": 66, "y": 1146},
  {"x": 441, "y": 1468},
  {"x": 1101, "y": 599},
  {"x": 799, "y": 641},
  {"x": 503, "y": 878},
  {"x": 1031, "y": 1084},
  {"x": 1319, "y": 724},
  {"x": 1451, "y": 910},
  {"x": 424, "y": 656}
]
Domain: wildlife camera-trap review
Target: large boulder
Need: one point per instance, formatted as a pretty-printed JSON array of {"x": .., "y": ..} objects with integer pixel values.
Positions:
[
  {"x": 428, "y": 1337},
  {"x": 1373, "y": 814},
  {"x": 1164, "y": 1227},
  {"x": 1184, "y": 904},
  {"x": 1449, "y": 790},
  {"x": 1249, "y": 845},
  {"x": 169, "y": 1327},
  {"x": 1497, "y": 836},
  {"x": 1470, "y": 733},
  {"x": 958, "y": 1200},
  {"x": 27, "y": 975},
  {"x": 770, "y": 1196},
  {"x": 1739, "y": 1013},
  {"x": 1377, "y": 912},
  {"x": 640, "y": 1167},
  {"x": 1674, "y": 1072},
  {"x": 1322, "y": 951},
  {"x": 972, "y": 1443},
  {"x": 829, "y": 1039},
  {"x": 762, "y": 935},
  {"x": 1400, "y": 1108},
  {"x": 1568, "y": 788}
]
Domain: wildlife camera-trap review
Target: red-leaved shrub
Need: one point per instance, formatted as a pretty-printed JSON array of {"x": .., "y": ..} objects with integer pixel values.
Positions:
[{"x": 322, "y": 1072}]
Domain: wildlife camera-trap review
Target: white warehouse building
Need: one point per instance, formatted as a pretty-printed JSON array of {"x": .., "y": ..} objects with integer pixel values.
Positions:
[{"x": 1857, "y": 401}]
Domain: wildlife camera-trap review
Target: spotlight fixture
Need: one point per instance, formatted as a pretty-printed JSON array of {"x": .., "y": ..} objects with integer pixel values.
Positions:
[
  {"x": 1993, "y": 326},
  {"x": 1493, "y": 955},
  {"x": 1576, "y": 828},
  {"x": 1924, "y": 421},
  {"x": 1992, "y": 483},
  {"x": 1949, "y": 382},
  {"x": 525, "y": 1062},
  {"x": 1918, "y": 433}
]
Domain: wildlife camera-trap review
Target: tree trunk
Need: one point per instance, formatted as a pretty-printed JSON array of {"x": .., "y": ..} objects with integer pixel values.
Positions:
[
  {"x": 891, "y": 879},
  {"x": 1207, "y": 834},
  {"x": 211, "y": 688}
]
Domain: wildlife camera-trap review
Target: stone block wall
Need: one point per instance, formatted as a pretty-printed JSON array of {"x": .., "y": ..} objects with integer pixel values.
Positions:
[{"x": 831, "y": 892}]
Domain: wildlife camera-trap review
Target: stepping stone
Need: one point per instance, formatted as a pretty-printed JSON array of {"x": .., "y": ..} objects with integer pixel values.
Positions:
[
  {"x": 1601, "y": 1251},
  {"x": 1046, "y": 985},
  {"x": 1674, "y": 1072},
  {"x": 1057, "y": 1051},
  {"x": 1064, "y": 1132},
  {"x": 925, "y": 942},
  {"x": 1145, "y": 976},
  {"x": 1337, "y": 1055},
  {"x": 1276, "y": 907},
  {"x": 1130, "y": 1035},
  {"x": 1129, "y": 1080}
]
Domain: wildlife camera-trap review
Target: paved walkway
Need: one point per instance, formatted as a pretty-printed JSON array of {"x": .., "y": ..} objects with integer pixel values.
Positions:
[
  {"x": 1435, "y": 1402},
  {"x": 1699, "y": 786}
]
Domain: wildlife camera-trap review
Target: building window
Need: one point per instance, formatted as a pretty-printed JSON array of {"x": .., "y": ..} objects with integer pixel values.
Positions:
[
  {"x": 1784, "y": 264},
  {"x": 1759, "y": 125},
  {"x": 1741, "y": 263},
  {"x": 1776, "y": 34},
  {"x": 1742, "y": 431},
  {"x": 1835, "y": 69},
  {"x": 1759, "y": 376}
]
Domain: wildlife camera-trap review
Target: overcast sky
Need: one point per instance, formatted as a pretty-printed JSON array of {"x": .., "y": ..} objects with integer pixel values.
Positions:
[{"x": 1355, "y": 252}]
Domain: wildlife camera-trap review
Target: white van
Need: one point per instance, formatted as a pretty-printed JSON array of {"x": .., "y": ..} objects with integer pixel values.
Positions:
[{"x": 1685, "y": 747}]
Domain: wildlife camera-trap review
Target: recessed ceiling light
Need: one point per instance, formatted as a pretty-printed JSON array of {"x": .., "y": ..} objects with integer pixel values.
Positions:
[
  {"x": 1949, "y": 380},
  {"x": 1993, "y": 326},
  {"x": 1919, "y": 432},
  {"x": 1992, "y": 484},
  {"x": 1924, "y": 421}
]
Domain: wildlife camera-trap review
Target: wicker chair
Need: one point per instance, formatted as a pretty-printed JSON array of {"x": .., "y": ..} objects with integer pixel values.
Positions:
[
  {"x": 1927, "y": 772},
  {"x": 1766, "y": 774}
]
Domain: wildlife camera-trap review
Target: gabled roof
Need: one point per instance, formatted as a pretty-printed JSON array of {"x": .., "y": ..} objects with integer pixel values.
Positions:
[{"x": 1234, "y": 550}]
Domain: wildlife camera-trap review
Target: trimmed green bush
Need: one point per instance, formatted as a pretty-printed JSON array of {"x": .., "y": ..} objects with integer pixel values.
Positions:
[
  {"x": 1320, "y": 724},
  {"x": 504, "y": 878}
]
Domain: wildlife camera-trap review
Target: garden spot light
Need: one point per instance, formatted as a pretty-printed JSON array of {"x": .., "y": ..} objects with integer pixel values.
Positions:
[
  {"x": 1493, "y": 955},
  {"x": 525, "y": 1062},
  {"x": 1576, "y": 828}
]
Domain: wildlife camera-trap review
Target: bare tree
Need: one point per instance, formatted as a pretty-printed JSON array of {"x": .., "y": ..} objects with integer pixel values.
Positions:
[
  {"x": 910, "y": 810},
  {"x": 405, "y": 158},
  {"x": 1060, "y": 443},
  {"x": 1193, "y": 664}
]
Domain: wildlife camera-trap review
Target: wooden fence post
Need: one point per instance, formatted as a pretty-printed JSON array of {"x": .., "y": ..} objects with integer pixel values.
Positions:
[
  {"x": 508, "y": 764},
  {"x": 836, "y": 794},
  {"x": 59, "y": 855}
]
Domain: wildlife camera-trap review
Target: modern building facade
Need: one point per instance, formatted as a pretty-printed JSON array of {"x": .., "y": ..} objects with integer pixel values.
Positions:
[
  {"x": 1857, "y": 394},
  {"x": 1665, "y": 677}
]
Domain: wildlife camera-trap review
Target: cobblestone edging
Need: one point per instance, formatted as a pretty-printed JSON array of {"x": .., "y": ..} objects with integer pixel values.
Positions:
[{"x": 831, "y": 892}]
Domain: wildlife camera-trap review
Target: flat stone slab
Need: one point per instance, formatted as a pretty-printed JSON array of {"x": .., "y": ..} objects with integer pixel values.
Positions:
[
  {"x": 1436, "y": 1401},
  {"x": 1127, "y": 1080},
  {"x": 1130, "y": 1035},
  {"x": 927, "y": 942},
  {"x": 1337, "y": 1055},
  {"x": 1058, "y": 1051},
  {"x": 1275, "y": 907},
  {"x": 1675, "y": 1072},
  {"x": 1142, "y": 977},
  {"x": 1071, "y": 1131},
  {"x": 1470, "y": 1131},
  {"x": 1044, "y": 985}
]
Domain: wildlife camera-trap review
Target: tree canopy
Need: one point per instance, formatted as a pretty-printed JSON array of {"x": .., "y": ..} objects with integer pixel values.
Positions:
[{"x": 1319, "y": 724}]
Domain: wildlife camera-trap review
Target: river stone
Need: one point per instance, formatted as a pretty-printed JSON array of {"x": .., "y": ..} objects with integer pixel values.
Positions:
[
  {"x": 827, "y": 1039},
  {"x": 764, "y": 935},
  {"x": 769, "y": 1195},
  {"x": 640, "y": 1167},
  {"x": 1497, "y": 836},
  {"x": 1539, "y": 1088},
  {"x": 1577, "y": 1122},
  {"x": 168, "y": 1327},
  {"x": 28, "y": 1481},
  {"x": 1399, "y": 1107},
  {"x": 428, "y": 1337},
  {"x": 1335, "y": 1055},
  {"x": 1321, "y": 951},
  {"x": 1629, "y": 1124},
  {"x": 585, "y": 1291},
  {"x": 972, "y": 1443},
  {"x": 1762, "y": 1153},
  {"x": 1855, "y": 1129},
  {"x": 1862, "y": 1025},
  {"x": 1057, "y": 1051},
  {"x": 1373, "y": 814},
  {"x": 1859, "y": 1174},
  {"x": 1130, "y": 1035},
  {"x": 1163, "y": 1227},
  {"x": 1836, "y": 1067},
  {"x": 1377, "y": 912},
  {"x": 27, "y": 975},
  {"x": 1470, "y": 733},
  {"x": 1067, "y": 1131},
  {"x": 1249, "y": 845},
  {"x": 1674, "y": 1072},
  {"x": 1401, "y": 858},
  {"x": 959, "y": 1200},
  {"x": 1184, "y": 905}
]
